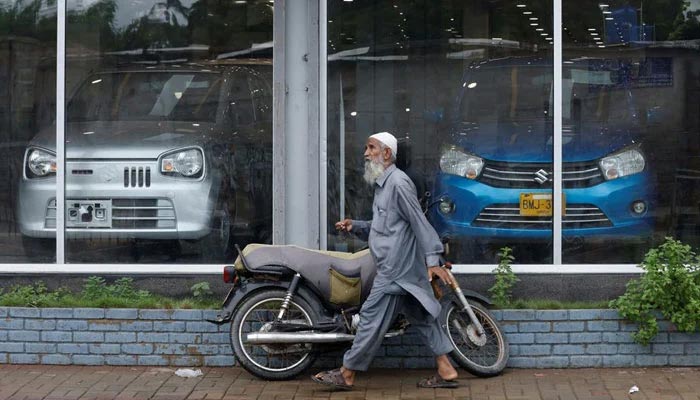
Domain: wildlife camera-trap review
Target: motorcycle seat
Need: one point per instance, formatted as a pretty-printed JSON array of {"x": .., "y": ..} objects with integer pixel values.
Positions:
[{"x": 312, "y": 265}]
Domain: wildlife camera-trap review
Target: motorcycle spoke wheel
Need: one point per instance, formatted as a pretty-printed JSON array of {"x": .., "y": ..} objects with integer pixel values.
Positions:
[
  {"x": 481, "y": 355},
  {"x": 271, "y": 357}
]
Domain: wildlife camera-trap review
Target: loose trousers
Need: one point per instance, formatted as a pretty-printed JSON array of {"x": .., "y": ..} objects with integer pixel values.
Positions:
[{"x": 376, "y": 317}]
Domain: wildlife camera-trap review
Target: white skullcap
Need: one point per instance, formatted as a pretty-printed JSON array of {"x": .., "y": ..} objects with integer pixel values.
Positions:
[{"x": 388, "y": 139}]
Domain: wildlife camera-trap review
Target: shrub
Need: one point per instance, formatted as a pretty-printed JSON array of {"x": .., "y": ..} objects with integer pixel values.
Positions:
[
  {"x": 36, "y": 295},
  {"x": 505, "y": 278},
  {"x": 670, "y": 286}
]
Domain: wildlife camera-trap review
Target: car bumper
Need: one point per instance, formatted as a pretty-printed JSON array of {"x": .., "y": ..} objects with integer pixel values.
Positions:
[
  {"x": 168, "y": 208},
  {"x": 600, "y": 211}
]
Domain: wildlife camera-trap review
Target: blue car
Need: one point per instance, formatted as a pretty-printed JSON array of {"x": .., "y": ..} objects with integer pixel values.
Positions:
[{"x": 496, "y": 170}]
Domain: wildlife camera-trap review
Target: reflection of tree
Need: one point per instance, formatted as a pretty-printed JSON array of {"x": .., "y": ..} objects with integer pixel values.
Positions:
[
  {"x": 146, "y": 32},
  {"x": 662, "y": 14},
  {"x": 225, "y": 26},
  {"x": 686, "y": 26},
  {"x": 99, "y": 18},
  {"x": 26, "y": 19}
]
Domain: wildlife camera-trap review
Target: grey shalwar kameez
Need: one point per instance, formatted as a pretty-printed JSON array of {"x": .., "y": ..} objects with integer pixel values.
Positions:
[{"x": 403, "y": 244}]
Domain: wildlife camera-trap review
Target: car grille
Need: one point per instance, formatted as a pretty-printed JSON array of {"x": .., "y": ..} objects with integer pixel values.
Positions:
[
  {"x": 137, "y": 176},
  {"x": 130, "y": 214},
  {"x": 50, "y": 215},
  {"x": 508, "y": 216},
  {"x": 143, "y": 214},
  {"x": 524, "y": 175}
]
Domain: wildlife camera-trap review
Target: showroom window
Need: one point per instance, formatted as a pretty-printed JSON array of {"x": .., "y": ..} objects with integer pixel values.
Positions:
[
  {"x": 469, "y": 88},
  {"x": 466, "y": 87},
  {"x": 168, "y": 130},
  {"x": 27, "y": 107}
]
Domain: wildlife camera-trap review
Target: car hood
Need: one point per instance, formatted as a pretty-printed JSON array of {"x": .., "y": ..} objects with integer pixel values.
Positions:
[
  {"x": 126, "y": 140},
  {"x": 532, "y": 142}
]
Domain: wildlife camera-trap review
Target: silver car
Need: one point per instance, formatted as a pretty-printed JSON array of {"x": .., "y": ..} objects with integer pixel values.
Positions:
[{"x": 178, "y": 152}]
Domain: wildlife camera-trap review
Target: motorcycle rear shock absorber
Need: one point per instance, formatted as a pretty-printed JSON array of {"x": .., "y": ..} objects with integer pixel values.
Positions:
[{"x": 288, "y": 297}]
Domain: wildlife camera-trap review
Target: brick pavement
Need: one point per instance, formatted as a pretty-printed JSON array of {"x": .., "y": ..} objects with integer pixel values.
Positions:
[{"x": 29, "y": 382}]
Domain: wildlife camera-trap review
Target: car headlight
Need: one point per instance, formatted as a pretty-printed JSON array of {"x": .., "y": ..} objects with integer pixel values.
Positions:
[
  {"x": 40, "y": 163},
  {"x": 626, "y": 162},
  {"x": 456, "y": 162},
  {"x": 189, "y": 163}
]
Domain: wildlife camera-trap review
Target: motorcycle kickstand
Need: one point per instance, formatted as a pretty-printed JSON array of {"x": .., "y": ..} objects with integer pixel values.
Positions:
[{"x": 288, "y": 297}]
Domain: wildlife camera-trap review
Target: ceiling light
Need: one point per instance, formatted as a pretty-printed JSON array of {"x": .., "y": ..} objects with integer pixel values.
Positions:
[
  {"x": 527, "y": 12},
  {"x": 602, "y": 5},
  {"x": 539, "y": 29},
  {"x": 534, "y": 24},
  {"x": 607, "y": 12},
  {"x": 544, "y": 34},
  {"x": 591, "y": 29},
  {"x": 608, "y": 18},
  {"x": 533, "y": 18},
  {"x": 520, "y": 5},
  {"x": 601, "y": 46}
]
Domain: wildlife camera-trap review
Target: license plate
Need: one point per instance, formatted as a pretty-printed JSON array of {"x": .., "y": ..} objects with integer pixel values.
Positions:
[
  {"x": 88, "y": 213},
  {"x": 538, "y": 204}
]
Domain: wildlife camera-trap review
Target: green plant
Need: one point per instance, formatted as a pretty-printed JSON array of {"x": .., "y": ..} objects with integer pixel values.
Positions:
[
  {"x": 36, "y": 295},
  {"x": 670, "y": 286},
  {"x": 505, "y": 278},
  {"x": 201, "y": 290}
]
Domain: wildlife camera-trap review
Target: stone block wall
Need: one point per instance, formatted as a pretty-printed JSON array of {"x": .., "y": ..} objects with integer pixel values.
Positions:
[{"x": 538, "y": 339}]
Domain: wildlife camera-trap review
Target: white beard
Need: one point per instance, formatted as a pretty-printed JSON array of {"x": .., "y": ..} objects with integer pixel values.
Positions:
[{"x": 373, "y": 170}]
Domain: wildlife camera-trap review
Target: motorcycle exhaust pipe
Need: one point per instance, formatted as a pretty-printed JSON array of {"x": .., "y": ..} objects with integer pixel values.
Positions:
[{"x": 296, "y": 337}]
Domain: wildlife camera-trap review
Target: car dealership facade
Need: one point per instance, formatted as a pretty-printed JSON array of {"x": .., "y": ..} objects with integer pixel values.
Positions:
[{"x": 150, "y": 137}]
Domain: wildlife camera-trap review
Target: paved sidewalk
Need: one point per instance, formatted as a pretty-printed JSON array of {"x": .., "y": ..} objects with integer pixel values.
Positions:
[{"x": 71, "y": 382}]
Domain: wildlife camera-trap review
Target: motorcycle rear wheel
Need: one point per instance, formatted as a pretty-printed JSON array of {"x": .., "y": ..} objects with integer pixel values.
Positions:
[
  {"x": 480, "y": 357},
  {"x": 271, "y": 362}
]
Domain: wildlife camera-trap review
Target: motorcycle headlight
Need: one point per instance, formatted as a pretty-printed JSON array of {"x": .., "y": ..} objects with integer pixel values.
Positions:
[
  {"x": 456, "y": 162},
  {"x": 626, "y": 162},
  {"x": 40, "y": 163},
  {"x": 188, "y": 163}
]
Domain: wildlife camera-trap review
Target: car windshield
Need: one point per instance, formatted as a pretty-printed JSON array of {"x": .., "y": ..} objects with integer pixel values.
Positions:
[
  {"x": 147, "y": 95},
  {"x": 523, "y": 93}
]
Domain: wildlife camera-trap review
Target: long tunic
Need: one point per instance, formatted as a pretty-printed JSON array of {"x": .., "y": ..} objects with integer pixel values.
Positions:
[{"x": 401, "y": 240}]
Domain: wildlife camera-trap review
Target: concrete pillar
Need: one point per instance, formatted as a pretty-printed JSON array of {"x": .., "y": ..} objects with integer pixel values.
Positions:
[{"x": 296, "y": 138}]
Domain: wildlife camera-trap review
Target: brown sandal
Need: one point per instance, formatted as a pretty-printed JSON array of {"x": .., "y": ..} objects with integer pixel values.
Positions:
[
  {"x": 436, "y": 382},
  {"x": 332, "y": 378}
]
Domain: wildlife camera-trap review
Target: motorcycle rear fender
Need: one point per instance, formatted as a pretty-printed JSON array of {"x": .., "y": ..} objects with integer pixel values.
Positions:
[{"x": 241, "y": 291}]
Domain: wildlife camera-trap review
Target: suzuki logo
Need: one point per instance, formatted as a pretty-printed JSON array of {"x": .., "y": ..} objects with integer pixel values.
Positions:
[{"x": 541, "y": 176}]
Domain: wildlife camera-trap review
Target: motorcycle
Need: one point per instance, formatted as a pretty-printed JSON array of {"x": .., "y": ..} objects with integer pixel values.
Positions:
[{"x": 287, "y": 302}]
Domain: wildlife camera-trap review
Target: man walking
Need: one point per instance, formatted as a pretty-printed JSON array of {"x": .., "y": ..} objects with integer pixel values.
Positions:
[{"x": 406, "y": 249}]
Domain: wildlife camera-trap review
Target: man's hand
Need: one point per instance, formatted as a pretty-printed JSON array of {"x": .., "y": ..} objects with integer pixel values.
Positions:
[
  {"x": 441, "y": 273},
  {"x": 344, "y": 225}
]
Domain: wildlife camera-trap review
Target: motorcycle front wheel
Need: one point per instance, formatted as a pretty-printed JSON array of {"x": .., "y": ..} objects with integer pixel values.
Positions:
[
  {"x": 271, "y": 361},
  {"x": 484, "y": 355}
]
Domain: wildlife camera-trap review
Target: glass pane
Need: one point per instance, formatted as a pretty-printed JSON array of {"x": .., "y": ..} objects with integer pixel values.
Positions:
[
  {"x": 630, "y": 110},
  {"x": 466, "y": 86},
  {"x": 169, "y": 130},
  {"x": 27, "y": 131}
]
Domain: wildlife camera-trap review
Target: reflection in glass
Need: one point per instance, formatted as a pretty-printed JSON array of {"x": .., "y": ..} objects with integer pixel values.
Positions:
[
  {"x": 27, "y": 104},
  {"x": 466, "y": 86},
  {"x": 168, "y": 131},
  {"x": 630, "y": 77}
]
